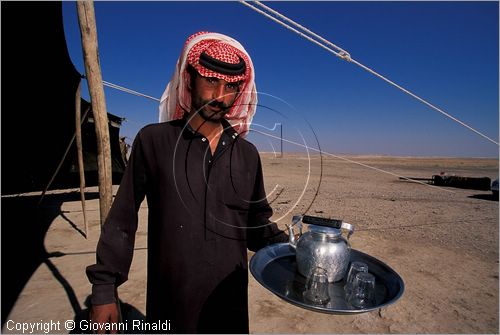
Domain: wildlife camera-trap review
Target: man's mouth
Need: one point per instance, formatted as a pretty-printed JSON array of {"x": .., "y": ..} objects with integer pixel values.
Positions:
[{"x": 214, "y": 109}]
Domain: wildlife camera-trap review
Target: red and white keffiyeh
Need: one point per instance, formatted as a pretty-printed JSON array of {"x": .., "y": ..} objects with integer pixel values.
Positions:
[{"x": 177, "y": 98}]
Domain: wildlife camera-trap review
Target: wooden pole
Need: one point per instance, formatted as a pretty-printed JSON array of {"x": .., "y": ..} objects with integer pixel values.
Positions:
[
  {"x": 81, "y": 169},
  {"x": 88, "y": 31}
]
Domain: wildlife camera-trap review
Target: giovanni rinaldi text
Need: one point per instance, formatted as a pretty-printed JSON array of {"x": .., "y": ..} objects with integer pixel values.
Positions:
[{"x": 133, "y": 325}]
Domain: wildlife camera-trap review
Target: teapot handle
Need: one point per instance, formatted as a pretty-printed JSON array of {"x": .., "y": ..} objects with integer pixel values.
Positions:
[
  {"x": 333, "y": 223},
  {"x": 349, "y": 227},
  {"x": 315, "y": 220}
]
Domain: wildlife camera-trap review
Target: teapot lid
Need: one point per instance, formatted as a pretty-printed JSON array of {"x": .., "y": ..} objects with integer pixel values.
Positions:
[{"x": 324, "y": 230}]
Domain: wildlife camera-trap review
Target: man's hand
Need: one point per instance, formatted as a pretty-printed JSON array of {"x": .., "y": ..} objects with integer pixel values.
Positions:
[{"x": 104, "y": 314}]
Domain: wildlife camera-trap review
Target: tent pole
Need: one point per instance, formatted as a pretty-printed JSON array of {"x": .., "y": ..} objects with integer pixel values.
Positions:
[
  {"x": 88, "y": 31},
  {"x": 79, "y": 150}
]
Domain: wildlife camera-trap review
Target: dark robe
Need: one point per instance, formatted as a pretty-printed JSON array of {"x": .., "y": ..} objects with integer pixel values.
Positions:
[{"x": 204, "y": 212}]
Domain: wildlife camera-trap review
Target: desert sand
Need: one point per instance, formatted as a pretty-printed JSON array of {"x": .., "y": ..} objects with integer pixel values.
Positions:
[{"x": 442, "y": 241}]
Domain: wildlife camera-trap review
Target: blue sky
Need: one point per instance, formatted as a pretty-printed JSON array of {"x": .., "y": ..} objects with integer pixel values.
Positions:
[{"x": 445, "y": 52}]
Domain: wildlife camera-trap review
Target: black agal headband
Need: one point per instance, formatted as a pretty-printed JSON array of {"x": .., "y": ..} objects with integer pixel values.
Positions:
[{"x": 222, "y": 67}]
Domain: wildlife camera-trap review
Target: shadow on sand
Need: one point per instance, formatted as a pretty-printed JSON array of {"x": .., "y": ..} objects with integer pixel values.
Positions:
[
  {"x": 24, "y": 226},
  {"x": 490, "y": 197}
]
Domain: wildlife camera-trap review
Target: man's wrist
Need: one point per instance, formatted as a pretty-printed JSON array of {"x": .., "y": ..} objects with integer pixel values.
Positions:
[{"x": 103, "y": 294}]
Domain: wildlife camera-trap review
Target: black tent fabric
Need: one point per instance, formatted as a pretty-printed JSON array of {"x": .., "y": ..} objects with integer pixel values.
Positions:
[
  {"x": 69, "y": 177},
  {"x": 39, "y": 82}
]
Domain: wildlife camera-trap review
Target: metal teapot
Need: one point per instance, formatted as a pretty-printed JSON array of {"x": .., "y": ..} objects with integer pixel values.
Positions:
[{"x": 321, "y": 246}]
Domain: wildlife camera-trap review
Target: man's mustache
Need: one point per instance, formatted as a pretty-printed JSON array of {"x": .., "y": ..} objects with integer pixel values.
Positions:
[{"x": 218, "y": 104}]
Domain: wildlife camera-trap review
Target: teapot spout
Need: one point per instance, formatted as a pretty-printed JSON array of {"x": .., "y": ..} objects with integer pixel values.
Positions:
[
  {"x": 296, "y": 220},
  {"x": 291, "y": 237}
]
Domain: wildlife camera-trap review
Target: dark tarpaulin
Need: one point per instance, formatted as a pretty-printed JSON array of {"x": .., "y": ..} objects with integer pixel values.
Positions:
[
  {"x": 475, "y": 183},
  {"x": 39, "y": 83},
  {"x": 38, "y": 103}
]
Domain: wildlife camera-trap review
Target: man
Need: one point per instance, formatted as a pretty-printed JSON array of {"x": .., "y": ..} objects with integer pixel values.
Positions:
[{"x": 206, "y": 198}]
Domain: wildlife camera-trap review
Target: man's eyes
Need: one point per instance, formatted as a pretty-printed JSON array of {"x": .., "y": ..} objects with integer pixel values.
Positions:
[
  {"x": 229, "y": 86},
  {"x": 232, "y": 87},
  {"x": 211, "y": 80}
]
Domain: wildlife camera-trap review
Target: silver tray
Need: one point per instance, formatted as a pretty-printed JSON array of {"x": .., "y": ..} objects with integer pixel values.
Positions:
[{"x": 275, "y": 268}]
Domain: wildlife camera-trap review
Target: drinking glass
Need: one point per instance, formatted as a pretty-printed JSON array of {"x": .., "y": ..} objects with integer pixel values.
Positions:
[
  {"x": 355, "y": 268},
  {"x": 363, "y": 291},
  {"x": 317, "y": 286}
]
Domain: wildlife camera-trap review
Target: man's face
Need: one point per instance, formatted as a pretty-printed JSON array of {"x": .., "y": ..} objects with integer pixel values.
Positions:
[{"x": 212, "y": 97}]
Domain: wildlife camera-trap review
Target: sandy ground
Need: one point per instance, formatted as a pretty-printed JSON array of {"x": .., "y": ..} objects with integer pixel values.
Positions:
[{"x": 442, "y": 241}]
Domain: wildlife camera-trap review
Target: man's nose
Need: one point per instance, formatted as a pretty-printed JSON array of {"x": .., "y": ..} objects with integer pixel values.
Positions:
[{"x": 219, "y": 92}]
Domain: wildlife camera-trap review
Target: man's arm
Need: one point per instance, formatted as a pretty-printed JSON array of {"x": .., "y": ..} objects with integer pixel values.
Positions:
[{"x": 116, "y": 243}]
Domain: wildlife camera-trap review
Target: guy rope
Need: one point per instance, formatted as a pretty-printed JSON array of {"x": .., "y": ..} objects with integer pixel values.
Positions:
[{"x": 341, "y": 53}]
